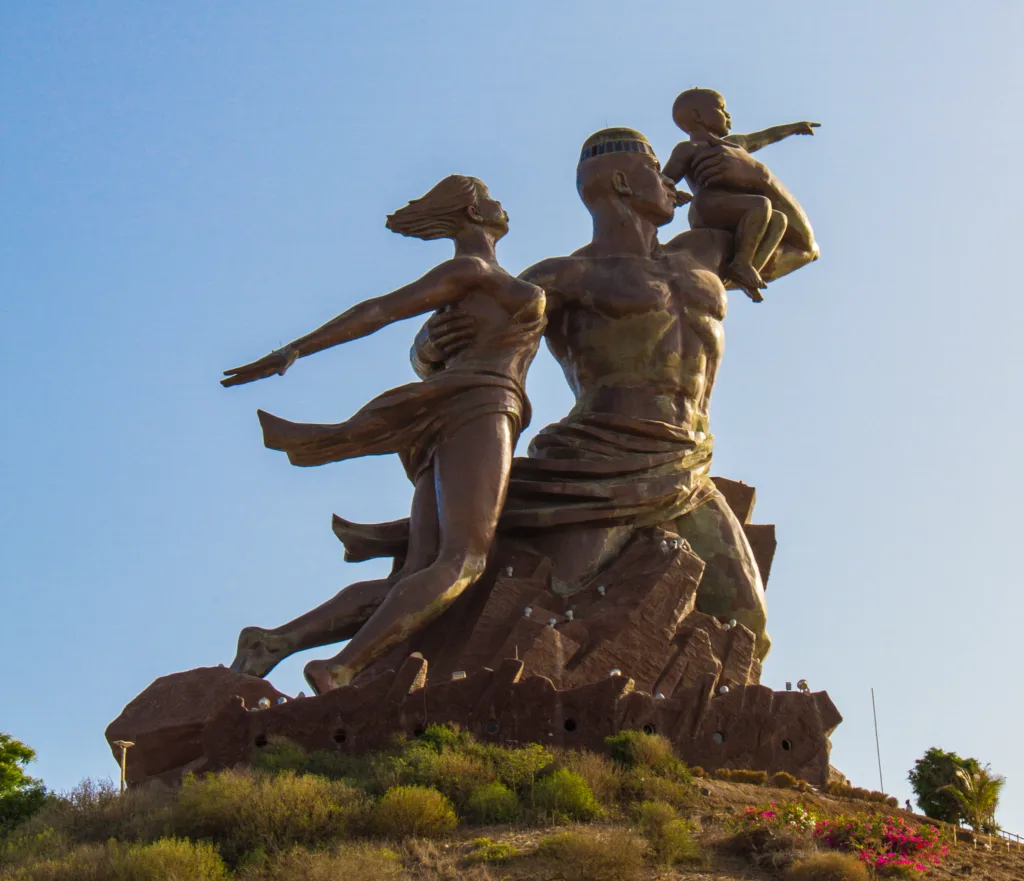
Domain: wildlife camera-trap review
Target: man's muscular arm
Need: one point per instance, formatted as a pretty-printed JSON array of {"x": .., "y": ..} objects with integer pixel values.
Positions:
[{"x": 735, "y": 168}]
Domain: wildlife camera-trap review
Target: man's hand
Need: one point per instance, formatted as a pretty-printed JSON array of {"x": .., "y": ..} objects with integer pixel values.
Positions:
[
  {"x": 804, "y": 128},
  {"x": 449, "y": 332},
  {"x": 723, "y": 165}
]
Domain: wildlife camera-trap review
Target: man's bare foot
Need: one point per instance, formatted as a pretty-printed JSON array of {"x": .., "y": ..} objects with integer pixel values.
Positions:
[
  {"x": 747, "y": 278},
  {"x": 259, "y": 651},
  {"x": 324, "y": 676}
]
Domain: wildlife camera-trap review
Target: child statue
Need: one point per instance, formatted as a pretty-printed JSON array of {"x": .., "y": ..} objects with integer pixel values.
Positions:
[
  {"x": 757, "y": 226},
  {"x": 455, "y": 431}
]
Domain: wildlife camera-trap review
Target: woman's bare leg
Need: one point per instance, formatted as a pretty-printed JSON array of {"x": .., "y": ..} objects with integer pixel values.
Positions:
[
  {"x": 471, "y": 470},
  {"x": 338, "y": 619}
]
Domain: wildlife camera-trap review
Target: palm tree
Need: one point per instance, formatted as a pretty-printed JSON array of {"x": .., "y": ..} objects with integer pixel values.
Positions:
[{"x": 977, "y": 795}]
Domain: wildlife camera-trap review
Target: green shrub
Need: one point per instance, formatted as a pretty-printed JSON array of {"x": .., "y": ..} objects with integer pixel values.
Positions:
[
  {"x": 165, "y": 860},
  {"x": 636, "y": 749},
  {"x": 486, "y": 851},
  {"x": 577, "y": 856},
  {"x": 784, "y": 780},
  {"x": 337, "y": 766},
  {"x": 243, "y": 810},
  {"x": 412, "y": 811},
  {"x": 492, "y": 803},
  {"x": 454, "y": 774},
  {"x": 670, "y": 838},
  {"x": 173, "y": 859},
  {"x": 828, "y": 867},
  {"x": 30, "y": 843},
  {"x": 602, "y": 775},
  {"x": 358, "y": 862},
  {"x": 279, "y": 755},
  {"x": 517, "y": 767},
  {"x": 639, "y": 785},
  {"x": 564, "y": 795},
  {"x": 442, "y": 737},
  {"x": 93, "y": 813}
]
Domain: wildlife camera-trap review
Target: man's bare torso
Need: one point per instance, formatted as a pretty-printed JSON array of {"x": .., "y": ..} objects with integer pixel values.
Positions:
[{"x": 620, "y": 323}]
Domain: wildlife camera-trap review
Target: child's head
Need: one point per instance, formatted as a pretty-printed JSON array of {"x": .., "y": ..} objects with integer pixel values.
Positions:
[
  {"x": 702, "y": 110},
  {"x": 456, "y": 201}
]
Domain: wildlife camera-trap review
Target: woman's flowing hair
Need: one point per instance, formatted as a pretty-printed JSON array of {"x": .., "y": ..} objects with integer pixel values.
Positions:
[{"x": 438, "y": 214}]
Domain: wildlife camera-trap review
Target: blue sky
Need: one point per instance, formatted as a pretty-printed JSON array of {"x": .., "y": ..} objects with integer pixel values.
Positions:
[{"x": 187, "y": 185}]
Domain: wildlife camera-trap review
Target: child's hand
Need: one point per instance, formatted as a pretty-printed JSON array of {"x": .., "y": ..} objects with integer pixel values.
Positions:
[{"x": 805, "y": 128}]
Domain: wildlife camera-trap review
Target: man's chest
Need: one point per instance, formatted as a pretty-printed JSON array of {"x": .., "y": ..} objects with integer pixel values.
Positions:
[{"x": 671, "y": 284}]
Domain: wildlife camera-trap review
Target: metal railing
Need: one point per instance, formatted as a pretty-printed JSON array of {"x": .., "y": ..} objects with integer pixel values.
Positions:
[{"x": 1010, "y": 838}]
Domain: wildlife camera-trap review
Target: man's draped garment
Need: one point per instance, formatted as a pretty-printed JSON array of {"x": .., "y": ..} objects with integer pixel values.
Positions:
[{"x": 587, "y": 469}]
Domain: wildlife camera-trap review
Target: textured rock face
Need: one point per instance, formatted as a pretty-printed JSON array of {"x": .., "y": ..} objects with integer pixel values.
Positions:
[
  {"x": 638, "y": 618},
  {"x": 628, "y": 651},
  {"x": 747, "y": 727},
  {"x": 167, "y": 720}
]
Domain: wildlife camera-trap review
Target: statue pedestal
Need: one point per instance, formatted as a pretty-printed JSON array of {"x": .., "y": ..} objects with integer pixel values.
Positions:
[{"x": 627, "y": 652}]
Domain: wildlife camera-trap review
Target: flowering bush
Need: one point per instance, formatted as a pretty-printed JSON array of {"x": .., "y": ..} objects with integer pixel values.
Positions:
[
  {"x": 788, "y": 815},
  {"x": 886, "y": 843}
]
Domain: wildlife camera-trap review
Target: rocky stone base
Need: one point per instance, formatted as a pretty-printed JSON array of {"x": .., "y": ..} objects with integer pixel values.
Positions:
[
  {"x": 515, "y": 661},
  {"x": 748, "y": 726},
  {"x": 638, "y": 617}
]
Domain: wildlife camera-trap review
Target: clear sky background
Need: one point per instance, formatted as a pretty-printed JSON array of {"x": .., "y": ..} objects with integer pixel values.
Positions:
[{"x": 187, "y": 185}]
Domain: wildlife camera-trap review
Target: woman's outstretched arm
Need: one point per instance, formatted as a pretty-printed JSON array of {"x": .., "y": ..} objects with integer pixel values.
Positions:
[{"x": 444, "y": 285}]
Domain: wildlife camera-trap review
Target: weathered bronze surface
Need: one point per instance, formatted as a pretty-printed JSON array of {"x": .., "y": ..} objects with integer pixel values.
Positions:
[
  {"x": 605, "y": 580},
  {"x": 756, "y": 221},
  {"x": 637, "y": 328},
  {"x": 472, "y": 412}
]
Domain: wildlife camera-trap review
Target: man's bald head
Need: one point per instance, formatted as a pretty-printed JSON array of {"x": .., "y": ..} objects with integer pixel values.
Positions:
[{"x": 620, "y": 162}]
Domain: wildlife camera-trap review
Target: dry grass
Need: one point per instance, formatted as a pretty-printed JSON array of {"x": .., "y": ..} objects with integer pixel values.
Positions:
[
  {"x": 165, "y": 860},
  {"x": 828, "y": 867},
  {"x": 740, "y": 775},
  {"x": 670, "y": 838},
  {"x": 578, "y": 856},
  {"x": 357, "y": 862},
  {"x": 288, "y": 821}
]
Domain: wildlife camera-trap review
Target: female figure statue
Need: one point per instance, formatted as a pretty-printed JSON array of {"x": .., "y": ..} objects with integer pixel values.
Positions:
[{"x": 455, "y": 431}]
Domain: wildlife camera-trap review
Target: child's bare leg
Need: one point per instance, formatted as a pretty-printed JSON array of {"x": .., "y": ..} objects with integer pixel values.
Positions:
[
  {"x": 338, "y": 619},
  {"x": 748, "y": 234},
  {"x": 470, "y": 499},
  {"x": 746, "y": 216},
  {"x": 777, "y": 225}
]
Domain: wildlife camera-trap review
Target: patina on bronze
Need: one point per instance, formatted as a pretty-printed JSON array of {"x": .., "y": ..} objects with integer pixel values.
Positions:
[
  {"x": 472, "y": 412},
  {"x": 637, "y": 328},
  {"x": 758, "y": 225}
]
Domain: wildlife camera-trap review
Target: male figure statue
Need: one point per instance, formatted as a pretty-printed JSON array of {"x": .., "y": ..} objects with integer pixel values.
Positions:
[{"x": 637, "y": 328}]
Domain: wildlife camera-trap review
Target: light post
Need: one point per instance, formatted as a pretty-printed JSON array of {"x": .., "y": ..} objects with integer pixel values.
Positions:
[{"x": 124, "y": 744}]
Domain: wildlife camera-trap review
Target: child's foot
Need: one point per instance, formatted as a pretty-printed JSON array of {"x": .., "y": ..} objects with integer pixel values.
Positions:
[
  {"x": 748, "y": 278},
  {"x": 324, "y": 676},
  {"x": 259, "y": 652}
]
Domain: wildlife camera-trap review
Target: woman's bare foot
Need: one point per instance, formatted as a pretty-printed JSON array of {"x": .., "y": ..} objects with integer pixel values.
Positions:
[
  {"x": 259, "y": 651},
  {"x": 324, "y": 676}
]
